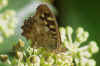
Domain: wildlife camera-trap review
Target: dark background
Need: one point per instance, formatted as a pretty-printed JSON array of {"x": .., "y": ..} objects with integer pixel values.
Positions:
[{"x": 84, "y": 13}]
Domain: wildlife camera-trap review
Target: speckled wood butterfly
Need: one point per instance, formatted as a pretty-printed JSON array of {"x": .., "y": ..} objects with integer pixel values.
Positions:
[{"x": 42, "y": 29}]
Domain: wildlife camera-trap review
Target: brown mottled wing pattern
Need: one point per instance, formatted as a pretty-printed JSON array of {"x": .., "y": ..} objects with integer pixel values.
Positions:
[{"x": 42, "y": 29}]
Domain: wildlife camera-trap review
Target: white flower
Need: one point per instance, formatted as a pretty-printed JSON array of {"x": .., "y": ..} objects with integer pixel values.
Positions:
[
  {"x": 8, "y": 32},
  {"x": 63, "y": 34},
  {"x": 12, "y": 24},
  {"x": 10, "y": 13},
  {"x": 69, "y": 30},
  {"x": 83, "y": 61},
  {"x": 93, "y": 47},
  {"x": 81, "y": 35},
  {"x": 30, "y": 50},
  {"x": 19, "y": 55},
  {"x": 35, "y": 60},
  {"x": 35, "y": 51},
  {"x": 50, "y": 60},
  {"x": 20, "y": 63},
  {"x": 79, "y": 31},
  {"x": 66, "y": 44},
  {"x": 64, "y": 59},
  {"x": 85, "y": 54},
  {"x": 91, "y": 62}
]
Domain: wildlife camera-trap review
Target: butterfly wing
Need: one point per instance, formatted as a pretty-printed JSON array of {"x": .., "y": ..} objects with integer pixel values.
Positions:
[{"x": 42, "y": 29}]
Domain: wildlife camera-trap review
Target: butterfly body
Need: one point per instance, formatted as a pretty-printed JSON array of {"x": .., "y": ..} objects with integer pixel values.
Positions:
[{"x": 42, "y": 29}]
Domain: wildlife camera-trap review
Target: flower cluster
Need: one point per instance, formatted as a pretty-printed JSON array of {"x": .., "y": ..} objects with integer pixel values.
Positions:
[
  {"x": 81, "y": 54},
  {"x": 7, "y": 21},
  {"x": 39, "y": 57},
  {"x": 7, "y": 24},
  {"x": 75, "y": 55}
]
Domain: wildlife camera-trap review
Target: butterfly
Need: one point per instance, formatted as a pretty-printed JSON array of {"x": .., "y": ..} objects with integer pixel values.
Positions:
[{"x": 42, "y": 29}]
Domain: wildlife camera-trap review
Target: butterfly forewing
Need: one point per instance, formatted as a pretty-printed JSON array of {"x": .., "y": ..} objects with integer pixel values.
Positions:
[{"x": 42, "y": 29}]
